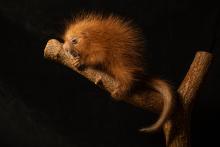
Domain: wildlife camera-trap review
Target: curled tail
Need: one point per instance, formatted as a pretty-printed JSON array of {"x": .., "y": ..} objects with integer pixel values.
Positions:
[{"x": 167, "y": 95}]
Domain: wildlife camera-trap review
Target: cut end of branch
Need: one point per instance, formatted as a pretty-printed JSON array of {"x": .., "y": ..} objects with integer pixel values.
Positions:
[{"x": 52, "y": 49}]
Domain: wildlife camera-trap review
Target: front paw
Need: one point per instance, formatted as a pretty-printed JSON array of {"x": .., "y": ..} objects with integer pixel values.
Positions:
[{"x": 76, "y": 62}]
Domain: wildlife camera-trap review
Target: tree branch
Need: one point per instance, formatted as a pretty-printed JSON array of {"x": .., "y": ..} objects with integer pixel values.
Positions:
[{"x": 176, "y": 130}]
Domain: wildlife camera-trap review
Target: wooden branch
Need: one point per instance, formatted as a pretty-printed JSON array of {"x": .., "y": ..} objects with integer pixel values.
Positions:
[{"x": 176, "y": 129}]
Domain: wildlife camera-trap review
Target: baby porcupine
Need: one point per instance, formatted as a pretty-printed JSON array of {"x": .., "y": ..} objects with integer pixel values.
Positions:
[
  {"x": 109, "y": 44},
  {"x": 115, "y": 47}
]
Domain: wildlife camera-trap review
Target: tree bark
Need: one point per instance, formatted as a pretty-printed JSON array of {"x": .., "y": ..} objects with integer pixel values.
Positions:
[{"x": 177, "y": 128}]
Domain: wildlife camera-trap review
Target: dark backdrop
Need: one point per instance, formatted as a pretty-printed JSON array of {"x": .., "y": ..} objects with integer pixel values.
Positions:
[{"x": 44, "y": 103}]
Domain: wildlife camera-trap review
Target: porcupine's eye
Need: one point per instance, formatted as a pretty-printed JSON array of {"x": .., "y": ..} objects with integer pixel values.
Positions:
[{"x": 74, "y": 41}]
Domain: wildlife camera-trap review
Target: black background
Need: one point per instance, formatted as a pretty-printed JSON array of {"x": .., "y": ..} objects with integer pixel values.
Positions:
[{"x": 43, "y": 103}]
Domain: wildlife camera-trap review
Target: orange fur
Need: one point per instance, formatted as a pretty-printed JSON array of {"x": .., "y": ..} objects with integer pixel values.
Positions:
[{"x": 111, "y": 44}]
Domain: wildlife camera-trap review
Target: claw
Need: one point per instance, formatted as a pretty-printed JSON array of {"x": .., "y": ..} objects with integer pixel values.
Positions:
[
  {"x": 76, "y": 63},
  {"x": 98, "y": 80}
]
